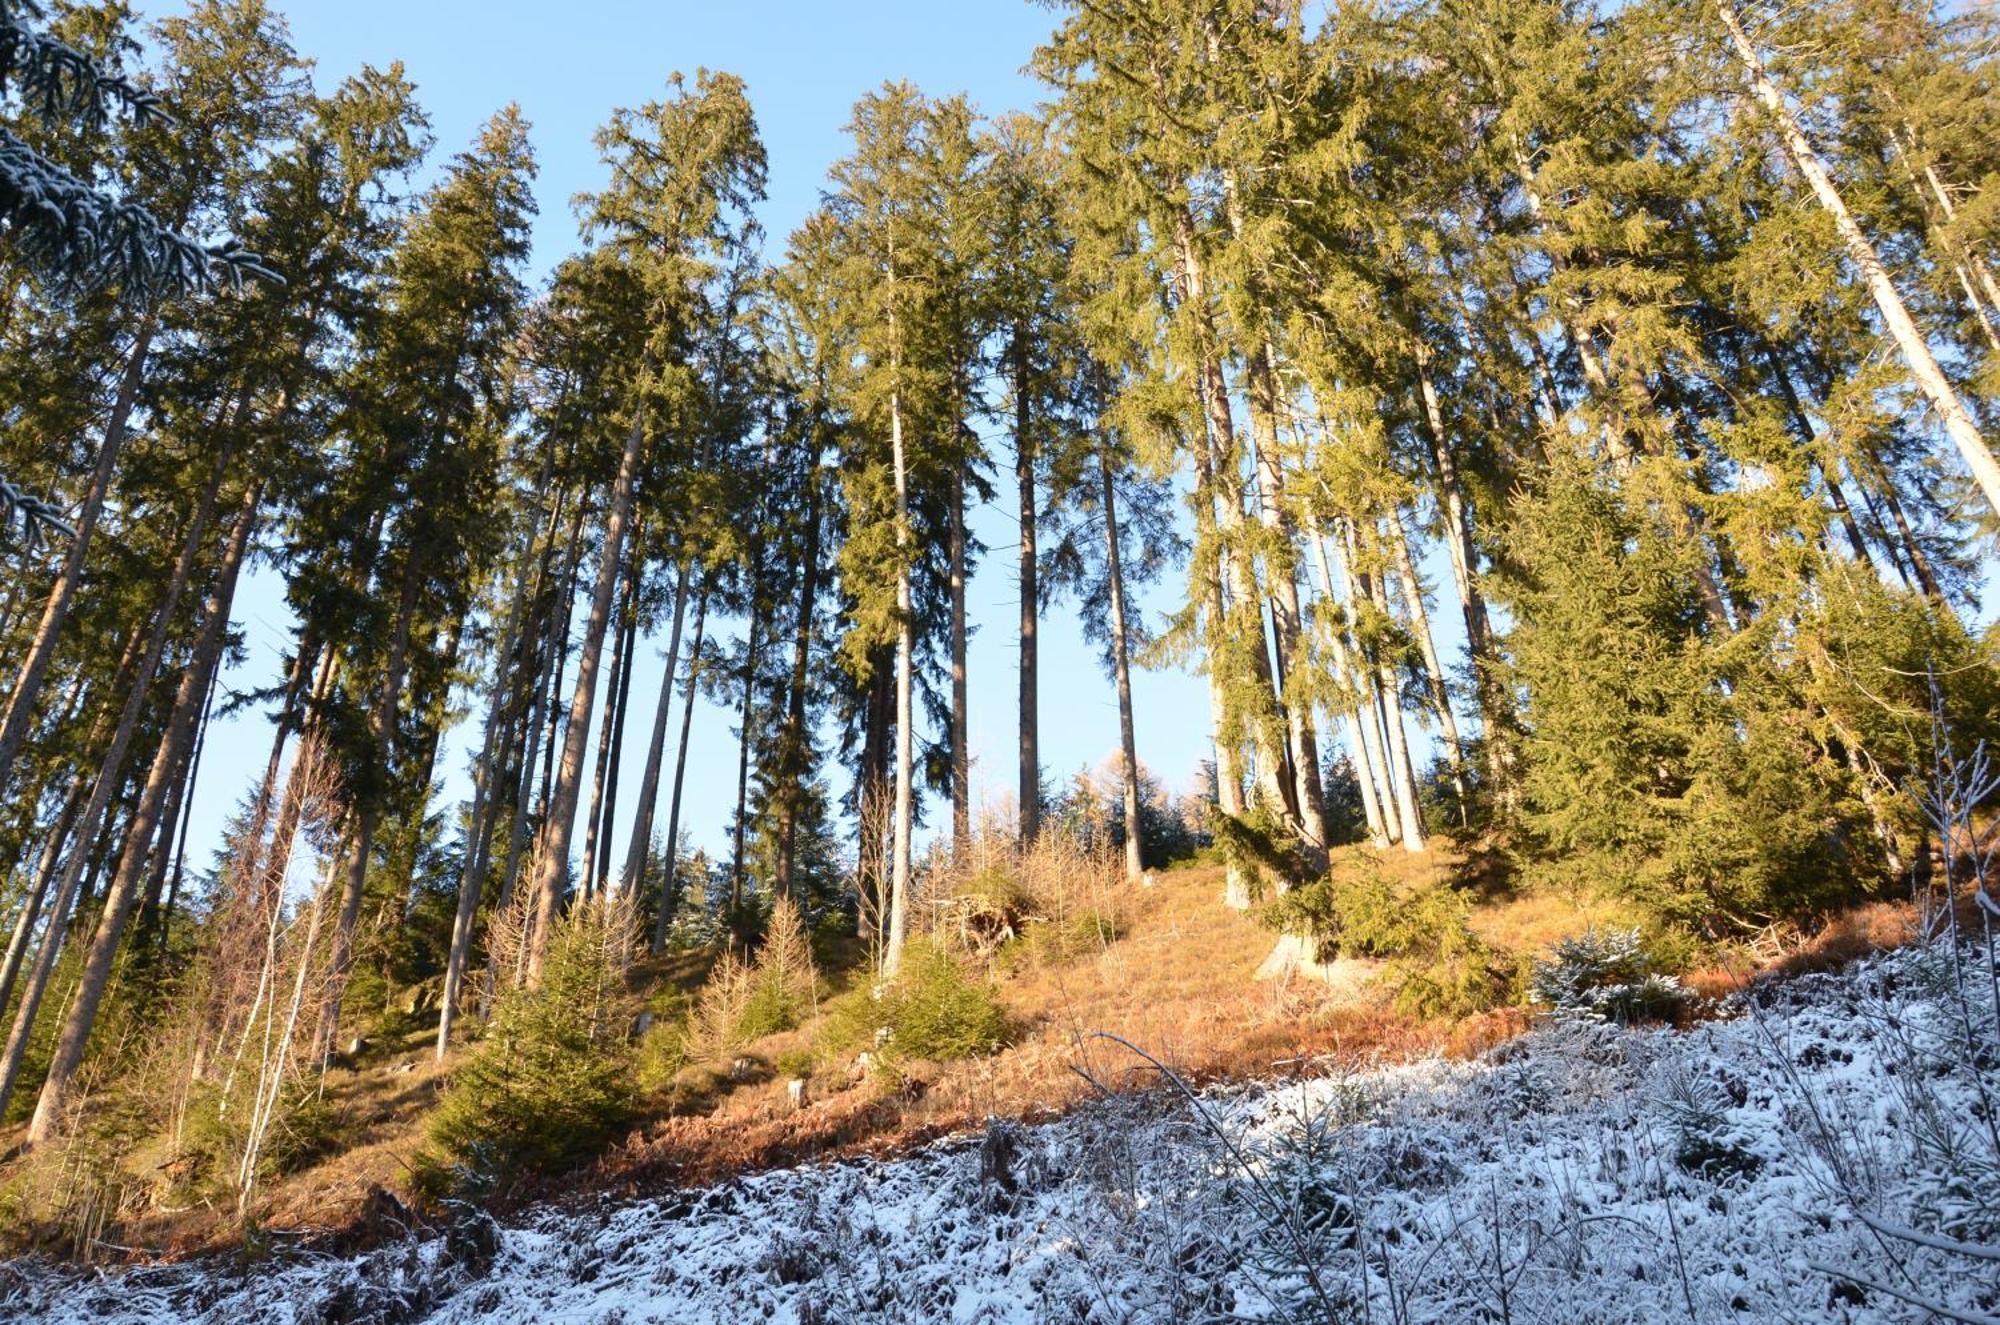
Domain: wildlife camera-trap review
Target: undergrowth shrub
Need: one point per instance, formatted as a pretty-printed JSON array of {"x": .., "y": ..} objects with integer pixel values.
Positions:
[
  {"x": 1605, "y": 975},
  {"x": 934, "y": 1009},
  {"x": 744, "y": 1001},
  {"x": 553, "y": 1078},
  {"x": 1436, "y": 965}
]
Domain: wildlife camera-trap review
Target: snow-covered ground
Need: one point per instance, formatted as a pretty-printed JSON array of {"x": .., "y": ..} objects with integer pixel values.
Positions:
[{"x": 1827, "y": 1154}]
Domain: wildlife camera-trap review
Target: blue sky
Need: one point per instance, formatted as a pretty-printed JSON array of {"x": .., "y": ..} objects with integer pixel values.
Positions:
[{"x": 806, "y": 63}]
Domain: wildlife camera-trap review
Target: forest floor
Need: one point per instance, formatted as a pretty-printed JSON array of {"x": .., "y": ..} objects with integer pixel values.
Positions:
[
  {"x": 1813, "y": 1152},
  {"x": 1178, "y": 980}
]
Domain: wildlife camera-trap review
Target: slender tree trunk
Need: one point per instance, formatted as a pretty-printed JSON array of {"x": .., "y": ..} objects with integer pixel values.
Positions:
[
  {"x": 41, "y": 653},
  {"x": 1308, "y": 799},
  {"x": 38, "y": 891},
  {"x": 1121, "y": 670},
  {"x": 1496, "y": 707},
  {"x": 1420, "y": 626},
  {"x": 123, "y": 893},
  {"x": 172, "y": 843},
  {"x": 1246, "y": 618},
  {"x": 173, "y": 875},
  {"x": 873, "y": 800},
  {"x": 746, "y": 734},
  {"x": 556, "y": 833},
  {"x": 1402, "y": 772},
  {"x": 485, "y": 791},
  {"x": 667, "y": 898},
  {"x": 796, "y": 739},
  {"x": 900, "y": 877},
  {"x": 615, "y": 683},
  {"x": 656, "y": 747},
  {"x": 961, "y": 718},
  {"x": 1030, "y": 792},
  {"x": 1367, "y": 752},
  {"x": 382, "y": 723},
  {"x": 1916, "y": 351},
  {"x": 622, "y": 694},
  {"x": 109, "y": 779}
]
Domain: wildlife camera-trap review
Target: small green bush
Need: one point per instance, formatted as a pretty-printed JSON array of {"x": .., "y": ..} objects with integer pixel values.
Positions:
[
  {"x": 1605, "y": 975},
  {"x": 1436, "y": 964},
  {"x": 553, "y": 1079},
  {"x": 934, "y": 1009}
]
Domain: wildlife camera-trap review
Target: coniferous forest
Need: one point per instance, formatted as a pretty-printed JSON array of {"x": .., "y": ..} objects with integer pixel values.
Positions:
[{"x": 1560, "y": 437}]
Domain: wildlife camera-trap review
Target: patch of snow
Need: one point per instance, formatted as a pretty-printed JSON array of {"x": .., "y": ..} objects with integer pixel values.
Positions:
[{"x": 1830, "y": 1153}]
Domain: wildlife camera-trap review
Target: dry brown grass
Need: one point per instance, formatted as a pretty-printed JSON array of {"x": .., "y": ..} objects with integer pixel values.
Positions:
[{"x": 1177, "y": 979}]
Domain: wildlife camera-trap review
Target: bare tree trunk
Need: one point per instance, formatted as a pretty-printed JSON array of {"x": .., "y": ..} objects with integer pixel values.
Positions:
[
  {"x": 123, "y": 893},
  {"x": 1402, "y": 775},
  {"x": 109, "y": 778},
  {"x": 1368, "y": 763},
  {"x": 873, "y": 800},
  {"x": 1121, "y": 670},
  {"x": 746, "y": 736},
  {"x": 561, "y": 824},
  {"x": 42, "y": 650},
  {"x": 665, "y": 917},
  {"x": 1030, "y": 789},
  {"x": 1916, "y": 351},
  {"x": 171, "y": 848},
  {"x": 38, "y": 891},
  {"x": 899, "y": 867},
  {"x": 796, "y": 740},
  {"x": 656, "y": 747},
  {"x": 486, "y": 789},
  {"x": 615, "y": 686},
  {"x": 1420, "y": 626},
  {"x": 622, "y": 695},
  {"x": 961, "y": 718}
]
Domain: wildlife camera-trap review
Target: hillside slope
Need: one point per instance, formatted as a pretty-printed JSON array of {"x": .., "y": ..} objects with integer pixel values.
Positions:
[{"x": 1580, "y": 1172}]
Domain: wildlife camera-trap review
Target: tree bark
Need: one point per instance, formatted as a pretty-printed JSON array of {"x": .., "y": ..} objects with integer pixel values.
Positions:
[
  {"x": 123, "y": 893},
  {"x": 1923, "y": 365},
  {"x": 656, "y": 747},
  {"x": 961, "y": 718},
  {"x": 1030, "y": 787},
  {"x": 1121, "y": 671},
  {"x": 899, "y": 863},
  {"x": 1420, "y": 626},
  {"x": 1367, "y": 750},
  {"x": 42, "y": 649},
  {"x": 667, "y": 898},
  {"x": 796, "y": 739},
  {"x": 109, "y": 778},
  {"x": 561, "y": 824},
  {"x": 616, "y": 685}
]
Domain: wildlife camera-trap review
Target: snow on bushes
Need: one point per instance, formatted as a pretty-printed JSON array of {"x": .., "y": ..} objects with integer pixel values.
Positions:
[{"x": 1830, "y": 1154}]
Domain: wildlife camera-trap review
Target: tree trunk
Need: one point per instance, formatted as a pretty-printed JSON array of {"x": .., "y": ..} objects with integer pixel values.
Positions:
[
  {"x": 1367, "y": 750},
  {"x": 656, "y": 746},
  {"x": 1916, "y": 351},
  {"x": 961, "y": 718},
  {"x": 1030, "y": 790},
  {"x": 556, "y": 833},
  {"x": 41, "y": 654},
  {"x": 1401, "y": 773},
  {"x": 109, "y": 778},
  {"x": 1121, "y": 670},
  {"x": 123, "y": 893},
  {"x": 38, "y": 891},
  {"x": 667, "y": 899},
  {"x": 1496, "y": 707},
  {"x": 899, "y": 864},
  {"x": 622, "y": 695},
  {"x": 616, "y": 685},
  {"x": 796, "y": 740},
  {"x": 1420, "y": 626},
  {"x": 872, "y": 797},
  {"x": 746, "y": 736}
]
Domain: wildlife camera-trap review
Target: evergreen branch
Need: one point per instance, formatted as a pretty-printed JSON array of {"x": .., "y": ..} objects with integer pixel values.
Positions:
[
  {"x": 83, "y": 239},
  {"x": 53, "y": 78}
]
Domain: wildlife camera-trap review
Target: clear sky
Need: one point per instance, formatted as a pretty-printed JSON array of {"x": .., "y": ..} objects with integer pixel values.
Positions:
[{"x": 806, "y": 63}]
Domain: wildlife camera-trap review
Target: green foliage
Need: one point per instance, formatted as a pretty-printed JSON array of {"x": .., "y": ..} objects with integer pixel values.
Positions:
[
  {"x": 935, "y": 1009},
  {"x": 1605, "y": 975},
  {"x": 553, "y": 1079},
  {"x": 1437, "y": 966}
]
